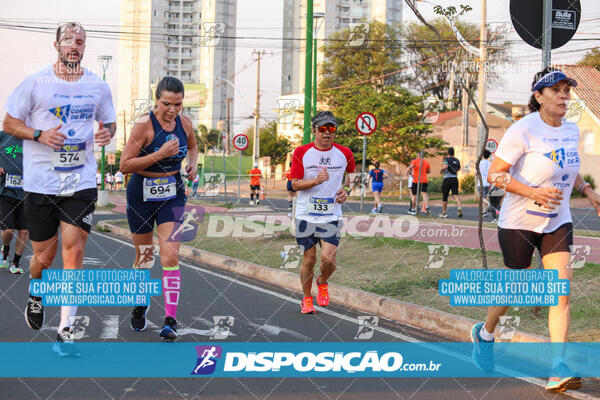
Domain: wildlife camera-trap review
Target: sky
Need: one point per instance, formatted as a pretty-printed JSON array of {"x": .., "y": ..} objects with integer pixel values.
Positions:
[{"x": 24, "y": 52}]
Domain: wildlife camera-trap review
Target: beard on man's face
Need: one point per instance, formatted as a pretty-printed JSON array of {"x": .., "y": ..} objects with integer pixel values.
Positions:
[{"x": 71, "y": 64}]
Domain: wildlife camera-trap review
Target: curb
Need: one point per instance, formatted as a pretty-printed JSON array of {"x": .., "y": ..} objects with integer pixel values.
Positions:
[{"x": 424, "y": 318}]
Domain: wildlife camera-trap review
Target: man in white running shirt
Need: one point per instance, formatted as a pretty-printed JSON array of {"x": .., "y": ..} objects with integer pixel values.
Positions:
[
  {"x": 317, "y": 175},
  {"x": 53, "y": 111}
]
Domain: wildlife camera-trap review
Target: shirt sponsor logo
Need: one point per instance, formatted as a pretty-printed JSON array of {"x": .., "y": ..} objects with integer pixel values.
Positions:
[
  {"x": 61, "y": 112},
  {"x": 73, "y": 112},
  {"x": 557, "y": 156},
  {"x": 324, "y": 161},
  {"x": 82, "y": 112}
]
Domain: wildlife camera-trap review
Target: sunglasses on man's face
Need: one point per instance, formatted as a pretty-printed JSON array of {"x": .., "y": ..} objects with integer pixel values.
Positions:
[{"x": 330, "y": 129}]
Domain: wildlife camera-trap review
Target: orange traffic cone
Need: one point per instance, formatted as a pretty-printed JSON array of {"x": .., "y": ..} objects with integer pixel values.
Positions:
[{"x": 262, "y": 194}]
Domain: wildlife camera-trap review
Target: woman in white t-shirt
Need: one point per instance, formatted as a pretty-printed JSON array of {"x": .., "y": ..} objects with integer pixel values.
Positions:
[{"x": 538, "y": 166}]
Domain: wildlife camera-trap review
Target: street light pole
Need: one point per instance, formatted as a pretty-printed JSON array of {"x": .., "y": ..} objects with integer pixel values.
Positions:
[
  {"x": 104, "y": 61},
  {"x": 482, "y": 75},
  {"x": 318, "y": 17},
  {"x": 308, "y": 72}
]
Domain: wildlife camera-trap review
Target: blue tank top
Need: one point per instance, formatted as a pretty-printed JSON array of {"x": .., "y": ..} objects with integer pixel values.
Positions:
[
  {"x": 377, "y": 175},
  {"x": 172, "y": 163}
]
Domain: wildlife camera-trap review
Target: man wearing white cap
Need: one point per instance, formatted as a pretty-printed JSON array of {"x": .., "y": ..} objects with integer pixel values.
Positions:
[{"x": 317, "y": 175}]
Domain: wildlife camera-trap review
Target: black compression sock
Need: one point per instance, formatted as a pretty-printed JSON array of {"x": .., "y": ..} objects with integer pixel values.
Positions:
[
  {"x": 17, "y": 259},
  {"x": 5, "y": 251}
]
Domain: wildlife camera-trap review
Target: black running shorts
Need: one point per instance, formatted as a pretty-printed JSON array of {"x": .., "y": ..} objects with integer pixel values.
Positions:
[
  {"x": 414, "y": 188},
  {"x": 449, "y": 184},
  {"x": 45, "y": 211},
  {"x": 517, "y": 244},
  {"x": 12, "y": 213}
]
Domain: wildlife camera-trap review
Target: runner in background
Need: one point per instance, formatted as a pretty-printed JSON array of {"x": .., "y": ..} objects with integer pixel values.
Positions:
[
  {"x": 318, "y": 170},
  {"x": 118, "y": 180},
  {"x": 53, "y": 111},
  {"x": 450, "y": 168},
  {"x": 109, "y": 181},
  {"x": 291, "y": 193},
  {"x": 158, "y": 144},
  {"x": 377, "y": 175},
  {"x": 255, "y": 174},
  {"x": 419, "y": 176},
  {"x": 12, "y": 210},
  {"x": 484, "y": 167},
  {"x": 538, "y": 164},
  {"x": 195, "y": 183}
]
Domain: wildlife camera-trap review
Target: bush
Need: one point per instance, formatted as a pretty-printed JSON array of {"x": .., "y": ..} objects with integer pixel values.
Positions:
[
  {"x": 467, "y": 184},
  {"x": 589, "y": 179},
  {"x": 434, "y": 185}
]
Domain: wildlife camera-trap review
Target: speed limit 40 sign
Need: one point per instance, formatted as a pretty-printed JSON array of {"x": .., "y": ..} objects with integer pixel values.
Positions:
[
  {"x": 491, "y": 146},
  {"x": 240, "y": 142}
]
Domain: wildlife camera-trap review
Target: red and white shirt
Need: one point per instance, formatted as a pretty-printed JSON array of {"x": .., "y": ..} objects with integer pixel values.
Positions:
[{"x": 317, "y": 204}]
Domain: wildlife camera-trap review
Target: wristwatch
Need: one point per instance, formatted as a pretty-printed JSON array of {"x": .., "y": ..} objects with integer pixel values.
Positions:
[{"x": 36, "y": 135}]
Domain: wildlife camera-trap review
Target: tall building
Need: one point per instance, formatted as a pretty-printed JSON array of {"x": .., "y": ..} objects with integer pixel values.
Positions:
[
  {"x": 338, "y": 15},
  {"x": 189, "y": 39}
]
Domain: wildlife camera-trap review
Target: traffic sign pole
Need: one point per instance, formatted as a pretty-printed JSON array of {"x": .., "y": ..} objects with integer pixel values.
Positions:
[
  {"x": 547, "y": 34},
  {"x": 240, "y": 142},
  {"x": 239, "y": 177},
  {"x": 366, "y": 123},
  {"x": 362, "y": 175}
]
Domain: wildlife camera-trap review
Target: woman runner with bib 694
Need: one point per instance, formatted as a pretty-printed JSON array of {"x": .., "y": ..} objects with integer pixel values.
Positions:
[
  {"x": 153, "y": 154},
  {"x": 537, "y": 164}
]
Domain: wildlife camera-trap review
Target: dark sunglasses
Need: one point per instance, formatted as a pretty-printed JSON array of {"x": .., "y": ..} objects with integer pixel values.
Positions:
[{"x": 324, "y": 129}]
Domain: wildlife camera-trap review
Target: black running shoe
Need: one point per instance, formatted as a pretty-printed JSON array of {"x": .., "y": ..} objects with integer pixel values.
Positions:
[
  {"x": 64, "y": 345},
  {"x": 34, "y": 313},
  {"x": 138, "y": 318},
  {"x": 169, "y": 330}
]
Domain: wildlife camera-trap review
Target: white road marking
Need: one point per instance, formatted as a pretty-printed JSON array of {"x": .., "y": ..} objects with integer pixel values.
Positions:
[
  {"x": 110, "y": 327},
  {"x": 273, "y": 330},
  {"x": 534, "y": 381}
]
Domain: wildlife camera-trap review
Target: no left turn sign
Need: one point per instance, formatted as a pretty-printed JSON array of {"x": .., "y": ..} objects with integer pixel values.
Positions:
[{"x": 366, "y": 123}]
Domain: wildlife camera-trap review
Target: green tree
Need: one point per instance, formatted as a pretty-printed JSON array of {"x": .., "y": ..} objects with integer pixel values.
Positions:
[
  {"x": 271, "y": 144},
  {"x": 349, "y": 89},
  {"x": 379, "y": 55},
  {"x": 591, "y": 58},
  {"x": 401, "y": 131},
  {"x": 431, "y": 66},
  {"x": 207, "y": 138}
]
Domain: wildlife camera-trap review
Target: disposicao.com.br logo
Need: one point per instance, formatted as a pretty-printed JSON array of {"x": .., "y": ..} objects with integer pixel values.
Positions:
[{"x": 304, "y": 362}]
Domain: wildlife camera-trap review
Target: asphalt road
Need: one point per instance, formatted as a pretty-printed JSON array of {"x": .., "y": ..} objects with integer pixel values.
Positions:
[
  {"x": 261, "y": 314},
  {"x": 583, "y": 218}
]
